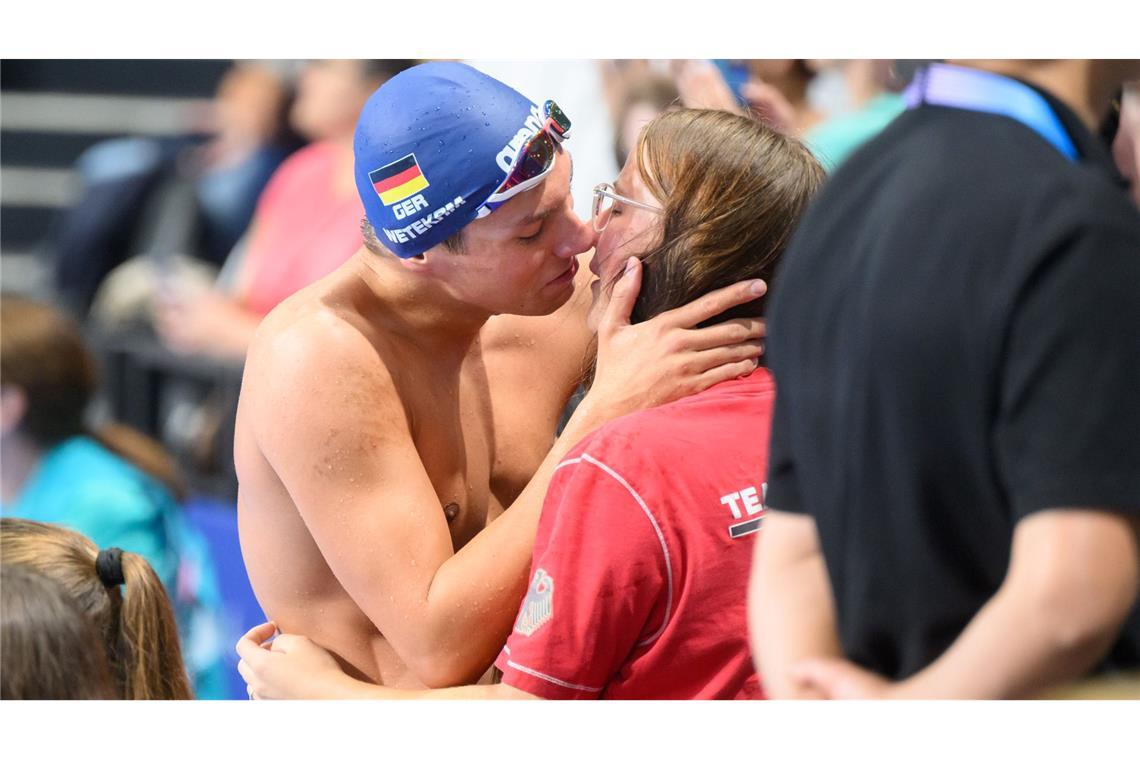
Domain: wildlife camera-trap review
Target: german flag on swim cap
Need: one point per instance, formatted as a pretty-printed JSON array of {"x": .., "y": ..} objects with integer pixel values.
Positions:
[
  {"x": 398, "y": 180},
  {"x": 431, "y": 145}
]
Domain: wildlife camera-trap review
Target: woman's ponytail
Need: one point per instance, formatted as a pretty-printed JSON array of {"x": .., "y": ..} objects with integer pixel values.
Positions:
[{"x": 150, "y": 654}]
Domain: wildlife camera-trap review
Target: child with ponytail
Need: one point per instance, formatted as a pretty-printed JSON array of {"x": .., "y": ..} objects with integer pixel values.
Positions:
[{"x": 121, "y": 596}]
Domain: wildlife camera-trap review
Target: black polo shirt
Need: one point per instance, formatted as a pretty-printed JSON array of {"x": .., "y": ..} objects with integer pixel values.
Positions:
[{"x": 955, "y": 336}]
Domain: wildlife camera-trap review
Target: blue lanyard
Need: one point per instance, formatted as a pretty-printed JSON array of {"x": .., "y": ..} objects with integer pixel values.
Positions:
[{"x": 973, "y": 90}]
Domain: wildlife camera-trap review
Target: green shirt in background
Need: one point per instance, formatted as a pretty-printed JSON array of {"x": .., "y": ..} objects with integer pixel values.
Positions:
[{"x": 835, "y": 139}]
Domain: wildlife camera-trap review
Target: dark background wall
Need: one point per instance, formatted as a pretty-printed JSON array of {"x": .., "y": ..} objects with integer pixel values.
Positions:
[{"x": 53, "y": 110}]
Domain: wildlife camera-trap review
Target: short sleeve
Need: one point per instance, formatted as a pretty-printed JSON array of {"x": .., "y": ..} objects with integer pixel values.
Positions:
[
  {"x": 783, "y": 485},
  {"x": 598, "y": 587},
  {"x": 1068, "y": 431}
]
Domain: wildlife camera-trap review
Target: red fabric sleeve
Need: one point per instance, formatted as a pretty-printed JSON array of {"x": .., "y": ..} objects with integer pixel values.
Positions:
[{"x": 599, "y": 585}]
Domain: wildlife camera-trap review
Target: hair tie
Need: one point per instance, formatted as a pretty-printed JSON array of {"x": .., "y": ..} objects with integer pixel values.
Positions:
[{"x": 109, "y": 567}]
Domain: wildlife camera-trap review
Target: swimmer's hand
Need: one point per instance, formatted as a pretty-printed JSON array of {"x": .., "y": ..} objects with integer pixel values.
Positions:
[
  {"x": 290, "y": 667},
  {"x": 666, "y": 358}
]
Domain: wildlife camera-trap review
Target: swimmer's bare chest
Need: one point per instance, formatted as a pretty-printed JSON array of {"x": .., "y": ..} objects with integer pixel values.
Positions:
[
  {"x": 452, "y": 429},
  {"x": 476, "y": 469}
]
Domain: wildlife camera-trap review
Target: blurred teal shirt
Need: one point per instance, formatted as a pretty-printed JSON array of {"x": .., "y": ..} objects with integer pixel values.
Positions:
[
  {"x": 83, "y": 486},
  {"x": 838, "y": 137}
]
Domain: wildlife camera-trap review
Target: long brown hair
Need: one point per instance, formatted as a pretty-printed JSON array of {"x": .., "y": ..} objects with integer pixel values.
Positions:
[
  {"x": 43, "y": 354},
  {"x": 48, "y": 647},
  {"x": 732, "y": 191},
  {"x": 134, "y": 619}
]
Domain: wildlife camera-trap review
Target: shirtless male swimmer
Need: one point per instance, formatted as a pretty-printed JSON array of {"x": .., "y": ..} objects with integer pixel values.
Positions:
[{"x": 388, "y": 415}]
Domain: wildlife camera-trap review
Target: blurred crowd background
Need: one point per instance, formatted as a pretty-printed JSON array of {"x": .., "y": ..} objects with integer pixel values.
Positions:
[{"x": 154, "y": 211}]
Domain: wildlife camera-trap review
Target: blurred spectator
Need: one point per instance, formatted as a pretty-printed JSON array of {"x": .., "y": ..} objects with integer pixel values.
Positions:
[
  {"x": 251, "y": 137},
  {"x": 113, "y": 485},
  {"x": 642, "y": 99},
  {"x": 200, "y": 196},
  {"x": 307, "y": 221},
  {"x": 867, "y": 108},
  {"x": 121, "y": 596},
  {"x": 48, "y": 647},
  {"x": 778, "y": 92},
  {"x": 1126, "y": 145},
  {"x": 954, "y": 482}
]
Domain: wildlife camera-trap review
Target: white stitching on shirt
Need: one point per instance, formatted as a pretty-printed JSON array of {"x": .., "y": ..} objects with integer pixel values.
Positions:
[
  {"x": 567, "y": 463},
  {"x": 551, "y": 679}
]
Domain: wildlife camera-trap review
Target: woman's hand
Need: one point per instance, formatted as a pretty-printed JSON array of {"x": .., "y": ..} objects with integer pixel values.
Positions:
[
  {"x": 289, "y": 667},
  {"x": 666, "y": 358},
  {"x": 832, "y": 678}
]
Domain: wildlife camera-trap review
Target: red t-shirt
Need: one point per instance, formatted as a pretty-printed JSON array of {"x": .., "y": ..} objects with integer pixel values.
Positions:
[
  {"x": 641, "y": 560},
  {"x": 307, "y": 224}
]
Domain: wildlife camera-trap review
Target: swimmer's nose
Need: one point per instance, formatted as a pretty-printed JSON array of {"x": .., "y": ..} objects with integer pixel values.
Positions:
[{"x": 579, "y": 239}]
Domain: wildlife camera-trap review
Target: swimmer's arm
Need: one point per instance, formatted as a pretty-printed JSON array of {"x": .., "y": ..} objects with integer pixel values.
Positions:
[
  {"x": 361, "y": 690},
  {"x": 791, "y": 613},
  {"x": 293, "y": 667}
]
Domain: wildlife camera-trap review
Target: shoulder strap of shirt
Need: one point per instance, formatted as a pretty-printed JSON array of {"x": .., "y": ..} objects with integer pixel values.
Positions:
[{"x": 970, "y": 89}]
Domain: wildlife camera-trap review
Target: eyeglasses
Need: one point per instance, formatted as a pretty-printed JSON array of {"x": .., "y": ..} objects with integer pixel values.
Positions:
[
  {"x": 604, "y": 201},
  {"x": 535, "y": 159}
]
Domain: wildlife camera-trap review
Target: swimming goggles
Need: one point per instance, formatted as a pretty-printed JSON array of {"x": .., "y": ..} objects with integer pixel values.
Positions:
[{"x": 534, "y": 161}]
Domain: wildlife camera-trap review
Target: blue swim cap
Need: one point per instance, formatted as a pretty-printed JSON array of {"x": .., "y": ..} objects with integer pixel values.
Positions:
[{"x": 431, "y": 145}]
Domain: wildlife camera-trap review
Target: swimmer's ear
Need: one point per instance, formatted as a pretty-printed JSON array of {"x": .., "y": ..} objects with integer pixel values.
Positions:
[{"x": 421, "y": 264}]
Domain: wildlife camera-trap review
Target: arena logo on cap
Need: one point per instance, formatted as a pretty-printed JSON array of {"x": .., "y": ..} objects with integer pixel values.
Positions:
[
  {"x": 398, "y": 180},
  {"x": 531, "y": 127}
]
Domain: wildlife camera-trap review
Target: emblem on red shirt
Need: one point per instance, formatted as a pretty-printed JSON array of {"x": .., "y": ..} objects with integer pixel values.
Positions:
[
  {"x": 538, "y": 607},
  {"x": 753, "y": 503}
]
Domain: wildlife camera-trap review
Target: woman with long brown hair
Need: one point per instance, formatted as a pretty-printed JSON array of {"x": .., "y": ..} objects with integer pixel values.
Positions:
[
  {"x": 641, "y": 559},
  {"x": 118, "y": 593}
]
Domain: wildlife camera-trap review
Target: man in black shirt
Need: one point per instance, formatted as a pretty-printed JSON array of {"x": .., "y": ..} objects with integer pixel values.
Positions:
[{"x": 954, "y": 483}]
